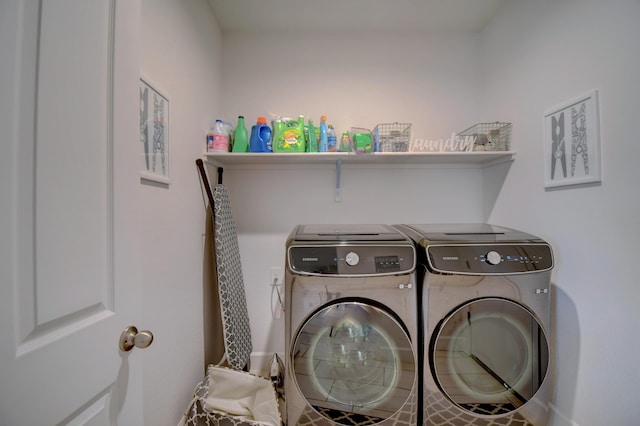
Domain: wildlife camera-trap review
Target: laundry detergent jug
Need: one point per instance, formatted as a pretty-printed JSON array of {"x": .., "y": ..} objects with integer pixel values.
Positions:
[
  {"x": 260, "y": 136},
  {"x": 289, "y": 136}
]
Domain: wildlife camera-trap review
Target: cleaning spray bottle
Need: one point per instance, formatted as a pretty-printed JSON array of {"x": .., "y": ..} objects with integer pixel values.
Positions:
[{"x": 323, "y": 145}]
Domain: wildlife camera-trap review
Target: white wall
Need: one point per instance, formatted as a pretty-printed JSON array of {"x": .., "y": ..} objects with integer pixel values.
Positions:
[
  {"x": 538, "y": 55},
  {"x": 356, "y": 79},
  {"x": 181, "y": 46},
  {"x": 532, "y": 56}
]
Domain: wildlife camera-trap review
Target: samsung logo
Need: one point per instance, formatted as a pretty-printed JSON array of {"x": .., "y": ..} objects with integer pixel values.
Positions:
[
  {"x": 449, "y": 257},
  {"x": 309, "y": 259}
]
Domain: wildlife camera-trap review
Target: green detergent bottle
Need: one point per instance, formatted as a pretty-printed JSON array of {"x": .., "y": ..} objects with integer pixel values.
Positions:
[
  {"x": 240, "y": 137},
  {"x": 312, "y": 142},
  {"x": 289, "y": 137},
  {"x": 278, "y": 129}
]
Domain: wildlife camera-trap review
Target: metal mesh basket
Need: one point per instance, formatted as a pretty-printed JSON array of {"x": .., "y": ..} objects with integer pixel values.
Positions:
[
  {"x": 489, "y": 136},
  {"x": 392, "y": 137}
]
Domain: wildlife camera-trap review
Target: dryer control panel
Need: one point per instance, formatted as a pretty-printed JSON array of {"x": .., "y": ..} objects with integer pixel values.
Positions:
[
  {"x": 482, "y": 259},
  {"x": 352, "y": 259}
]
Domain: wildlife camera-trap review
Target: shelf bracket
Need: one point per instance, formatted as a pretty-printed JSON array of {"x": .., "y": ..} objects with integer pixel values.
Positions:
[{"x": 338, "y": 172}]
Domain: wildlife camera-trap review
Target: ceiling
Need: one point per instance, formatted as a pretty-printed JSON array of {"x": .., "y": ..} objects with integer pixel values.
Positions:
[{"x": 360, "y": 15}]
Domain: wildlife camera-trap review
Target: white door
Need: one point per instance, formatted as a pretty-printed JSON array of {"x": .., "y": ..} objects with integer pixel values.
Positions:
[{"x": 68, "y": 182}]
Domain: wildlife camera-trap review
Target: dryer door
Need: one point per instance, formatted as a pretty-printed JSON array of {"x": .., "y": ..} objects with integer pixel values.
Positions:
[
  {"x": 489, "y": 356},
  {"x": 352, "y": 357}
]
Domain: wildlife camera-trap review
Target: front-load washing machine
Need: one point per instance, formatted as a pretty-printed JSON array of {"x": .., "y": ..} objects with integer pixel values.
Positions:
[
  {"x": 486, "y": 312},
  {"x": 351, "y": 326}
]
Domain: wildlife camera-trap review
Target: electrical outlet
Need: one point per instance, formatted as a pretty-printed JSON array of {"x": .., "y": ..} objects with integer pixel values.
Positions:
[{"x": 275, "y": 276}]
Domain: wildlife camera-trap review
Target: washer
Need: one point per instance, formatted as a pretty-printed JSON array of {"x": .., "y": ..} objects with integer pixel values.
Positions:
[
  {"x": 351, "y": 329},
  {"x": 485, "y": 294}
]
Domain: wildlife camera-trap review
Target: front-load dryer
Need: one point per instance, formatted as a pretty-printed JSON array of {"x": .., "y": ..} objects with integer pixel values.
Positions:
[
  {"x": 486, "y": 312},
  {"x": 351, "y": 326}
]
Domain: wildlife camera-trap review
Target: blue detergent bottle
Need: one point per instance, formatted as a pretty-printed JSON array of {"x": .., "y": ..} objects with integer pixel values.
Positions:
[
  {"x": 323, "y": 145},
  {"x": 260, "y": 136}
]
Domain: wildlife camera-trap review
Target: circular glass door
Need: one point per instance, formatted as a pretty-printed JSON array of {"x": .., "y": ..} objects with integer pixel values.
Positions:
[
  {"x": 350, "y": 358},
  {"x": 489, "y": 356}
]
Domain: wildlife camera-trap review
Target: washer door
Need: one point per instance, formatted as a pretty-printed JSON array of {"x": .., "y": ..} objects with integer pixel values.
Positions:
[
  {"x": 489, "y": 356},
  {"x": 353, "y": 358}
]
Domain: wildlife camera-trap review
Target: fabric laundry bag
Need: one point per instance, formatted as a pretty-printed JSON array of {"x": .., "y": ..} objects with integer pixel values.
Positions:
[
  {"x": 227, "y": 397},
  {"x": 243, "y": 395}
]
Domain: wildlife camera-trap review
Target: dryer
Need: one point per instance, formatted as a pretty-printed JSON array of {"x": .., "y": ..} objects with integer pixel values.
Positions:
[
  {"x": 351, "y": 326},
  {"x": 485, "y": 294}
]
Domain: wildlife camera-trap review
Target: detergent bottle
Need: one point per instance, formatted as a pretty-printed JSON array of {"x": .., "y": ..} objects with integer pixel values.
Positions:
[
  {"x": 323, "y": 144},
  {"x": 218, "y": 138},
  {"x": 260, "y": 136},
  {"x": 313, "y": 140},
  {"x": 290, "y": 137},
  {"x": 345, "y": 142},
  {"x": 278, "y": 130},
  {"x": 240, "y": 137}
]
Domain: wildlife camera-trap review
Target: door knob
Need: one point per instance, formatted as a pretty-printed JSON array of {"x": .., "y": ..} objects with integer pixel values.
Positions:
[{"x": 131, "y": 337}]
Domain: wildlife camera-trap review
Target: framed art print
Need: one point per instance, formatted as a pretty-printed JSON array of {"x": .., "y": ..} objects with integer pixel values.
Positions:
[
  {"x": 572, "y": 143},
  {"x": 154, "y": 133}
]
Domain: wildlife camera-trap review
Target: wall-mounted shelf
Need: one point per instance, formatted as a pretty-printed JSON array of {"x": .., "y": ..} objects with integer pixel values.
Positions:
[{"x": 240, "y": 160}]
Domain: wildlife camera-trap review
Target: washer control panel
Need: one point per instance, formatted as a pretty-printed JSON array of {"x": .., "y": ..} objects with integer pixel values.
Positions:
[
  {"x": 493, "y": 257},
  {"x": 489, "y": 258},
  {"x": 352, "y": 259}
]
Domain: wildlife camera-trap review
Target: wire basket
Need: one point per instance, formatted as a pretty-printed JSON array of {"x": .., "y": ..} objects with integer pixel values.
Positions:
[
  {"x": 392, "y": 137},
  {"x": 489, "y": 136}
]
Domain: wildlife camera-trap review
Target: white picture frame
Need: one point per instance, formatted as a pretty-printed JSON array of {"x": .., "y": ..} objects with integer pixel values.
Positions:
[
  {"x": 154, "y": 133},
  {"x": 572, "y": 142}
]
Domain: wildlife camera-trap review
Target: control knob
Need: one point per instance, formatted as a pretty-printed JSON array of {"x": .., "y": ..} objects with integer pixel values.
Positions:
[
  {"x": 352, "y": 258},
  {"x": 493, "y": 257}
]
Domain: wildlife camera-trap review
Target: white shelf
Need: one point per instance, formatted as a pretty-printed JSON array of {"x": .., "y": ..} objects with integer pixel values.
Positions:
[{"x": 323, "y": 159}]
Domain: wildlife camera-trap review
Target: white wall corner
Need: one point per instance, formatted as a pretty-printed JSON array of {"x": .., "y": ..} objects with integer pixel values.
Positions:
[
  {"x": 558, "y": 418},
  {"x": 261, "y": 363}
]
